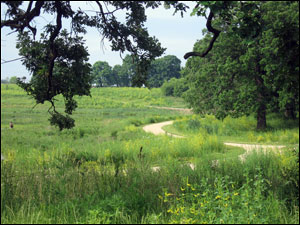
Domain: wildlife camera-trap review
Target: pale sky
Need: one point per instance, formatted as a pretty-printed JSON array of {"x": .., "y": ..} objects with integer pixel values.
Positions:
[{"x": 176, "y": 34}]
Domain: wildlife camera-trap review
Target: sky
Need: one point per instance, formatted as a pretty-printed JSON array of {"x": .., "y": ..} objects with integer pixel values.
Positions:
[{"x": 175, "y": 33}]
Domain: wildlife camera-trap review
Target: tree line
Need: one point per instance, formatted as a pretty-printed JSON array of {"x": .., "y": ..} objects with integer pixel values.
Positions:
[{"x": 160, "y": 70}]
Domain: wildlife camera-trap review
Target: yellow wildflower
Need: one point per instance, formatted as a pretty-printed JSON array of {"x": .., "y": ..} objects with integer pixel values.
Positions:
[
  {"x": 218, "y": 197},
  {"x": 192, "y": 210},
  {"x": 170, "y": 211},
  {"x": 168, "y": 194},
  {"x": 182, "y": 209}
]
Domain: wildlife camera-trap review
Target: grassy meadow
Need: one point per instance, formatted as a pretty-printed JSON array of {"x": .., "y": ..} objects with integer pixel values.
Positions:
[{"x": 102, "y": 171}]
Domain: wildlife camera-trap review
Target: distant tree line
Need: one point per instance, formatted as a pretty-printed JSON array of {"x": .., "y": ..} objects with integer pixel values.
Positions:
[
  {"x": 161, "y": 70},
  {"x": 12, "y": 80}
]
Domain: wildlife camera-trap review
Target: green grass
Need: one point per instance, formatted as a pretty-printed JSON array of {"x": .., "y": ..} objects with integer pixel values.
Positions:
[
  {"x": 96, "y": 173},
  {"x": 241, "y": 130}
]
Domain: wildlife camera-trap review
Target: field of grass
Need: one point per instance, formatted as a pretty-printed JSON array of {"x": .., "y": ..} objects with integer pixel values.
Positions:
[
  {"x": 102, "y": 170},
  {"x": 242, "y": 130}
]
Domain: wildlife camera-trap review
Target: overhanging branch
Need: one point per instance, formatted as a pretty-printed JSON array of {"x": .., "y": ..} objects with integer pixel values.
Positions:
[
  {"x": 22, "y": 20},
  {"x": 8, "y": 61},
  {"x": 53, "y": 50},
  {"x": 212, "y": 41}
]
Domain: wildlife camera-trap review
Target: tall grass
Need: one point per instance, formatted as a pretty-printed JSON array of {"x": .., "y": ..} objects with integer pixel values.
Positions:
[
  {"x": 241, "y": 129},
  {"x": 102, "y": 171}
]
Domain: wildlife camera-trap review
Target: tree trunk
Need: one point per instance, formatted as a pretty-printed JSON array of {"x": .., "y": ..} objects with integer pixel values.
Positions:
[
  {"x": 261, "y": 118},
  {"x": 261, "y": 111},
  {"x": 290, "y": 111}
]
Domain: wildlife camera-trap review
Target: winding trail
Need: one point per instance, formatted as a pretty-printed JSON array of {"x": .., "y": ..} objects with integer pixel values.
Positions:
[{"x": 156, "y": 129}]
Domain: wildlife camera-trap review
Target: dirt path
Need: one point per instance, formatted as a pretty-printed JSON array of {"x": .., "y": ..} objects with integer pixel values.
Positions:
[
  {"x": 251, "y": 147},
  {"x": 185, "y": 110},
  {"x": 156, "y": 129}
]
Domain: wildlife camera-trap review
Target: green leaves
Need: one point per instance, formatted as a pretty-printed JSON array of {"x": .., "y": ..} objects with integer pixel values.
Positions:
[
  {"x": 163, "y": 69},
  {"x": 71, "y": 73},
  {"x": 253, "y": 67},
  {"x": 61, "y": 121}
]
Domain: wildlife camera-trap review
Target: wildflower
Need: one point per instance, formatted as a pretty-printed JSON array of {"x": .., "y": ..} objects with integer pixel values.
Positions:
[
  {"x": 218, "y": 197},
  {"x": 182, "y": 189},
  {"x": 193, "y": 189},
  {"x": 187, "y": 182},
  {"x": 182, "y": 209},
  {"x": 192, "y": 210},
  {"x": 168, "y": 194},
  {"x": 170, "y": 211},
  {"x": 235, "y": 194},
  {"x": 160, "y": 197}
]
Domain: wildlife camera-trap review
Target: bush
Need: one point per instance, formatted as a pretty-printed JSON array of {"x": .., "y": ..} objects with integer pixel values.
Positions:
[
  {"x": 168, "y": 88},
  {"x": 174, "y": 87}
]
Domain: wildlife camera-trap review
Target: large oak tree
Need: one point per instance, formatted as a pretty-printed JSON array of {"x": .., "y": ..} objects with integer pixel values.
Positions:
[{"x": 254, "y": 65}]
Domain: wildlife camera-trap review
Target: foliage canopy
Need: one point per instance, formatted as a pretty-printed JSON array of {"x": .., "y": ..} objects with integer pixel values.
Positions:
[{"x": 250, "y": 70}]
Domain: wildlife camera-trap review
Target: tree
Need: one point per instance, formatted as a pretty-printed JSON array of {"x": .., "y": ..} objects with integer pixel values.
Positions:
[
  {"x": 13, "y": 80},
  {"x": 160, "y": 70},
  {"x": 281, "y": 54},
  {"x": 163, "y": 69},
  {"x": 175, "y": 87},
  {"x": 103, "y": 75},
  {"x": 56, "y": 64},
  {"x": 70, "y": 74},
  {"x": 237, "y": 77}
]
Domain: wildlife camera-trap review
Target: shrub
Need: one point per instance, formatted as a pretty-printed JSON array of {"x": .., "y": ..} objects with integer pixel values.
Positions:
[{"x": 174, "y": 87}]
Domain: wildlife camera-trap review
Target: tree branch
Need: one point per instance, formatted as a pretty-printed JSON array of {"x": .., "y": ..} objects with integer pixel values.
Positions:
[
  {"x": 22, "y": 20},
  {"x": 212, "y": 41},
  {"x": 53, "y": 51},
  {"x": 8, "y": 61}
]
